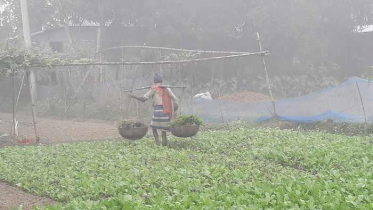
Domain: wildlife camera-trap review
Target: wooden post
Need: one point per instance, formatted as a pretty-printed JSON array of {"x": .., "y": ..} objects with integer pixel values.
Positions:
[
  {"x": 267, "y": 77},
  {"x": 32, "y": 87}
]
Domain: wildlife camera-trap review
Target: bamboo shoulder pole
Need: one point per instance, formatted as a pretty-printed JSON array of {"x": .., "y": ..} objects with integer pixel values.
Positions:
[{"x": 148, "y": 87}]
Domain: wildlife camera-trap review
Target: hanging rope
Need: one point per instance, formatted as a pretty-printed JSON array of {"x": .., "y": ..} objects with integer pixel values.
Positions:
[
  {"x": 181, "y": 101},
  {"x": 130, "y": 101},
  {"x": 120, "y": 90}
]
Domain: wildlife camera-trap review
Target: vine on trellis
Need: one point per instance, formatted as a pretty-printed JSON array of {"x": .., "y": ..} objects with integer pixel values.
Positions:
[{"x": 15, "y": 58}]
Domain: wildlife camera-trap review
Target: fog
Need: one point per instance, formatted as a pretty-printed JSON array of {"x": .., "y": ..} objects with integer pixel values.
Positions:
[
  {"x": 310, "y": 45},
  {"x": 186, "y": 104}
]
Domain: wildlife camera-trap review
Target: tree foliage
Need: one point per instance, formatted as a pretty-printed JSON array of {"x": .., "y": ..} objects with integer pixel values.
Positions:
[{"x": 303, "y": 36}]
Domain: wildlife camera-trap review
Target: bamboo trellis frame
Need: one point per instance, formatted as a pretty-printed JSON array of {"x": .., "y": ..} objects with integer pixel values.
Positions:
[
  {"x": 170, "y": 49},
  {"x": 262, "y": 53},
  {"x": 231, "y": 56}
]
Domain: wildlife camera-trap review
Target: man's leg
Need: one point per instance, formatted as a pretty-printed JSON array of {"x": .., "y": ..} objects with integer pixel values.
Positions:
[
  {"x": 156, "y": 136},
  {"x": 164, "y": 138}
]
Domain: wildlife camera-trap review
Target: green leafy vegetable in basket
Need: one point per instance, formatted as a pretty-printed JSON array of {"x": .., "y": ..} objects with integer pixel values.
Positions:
[
  {"x": 186, "y": 120},
  {"x": 131, "y": 124}
]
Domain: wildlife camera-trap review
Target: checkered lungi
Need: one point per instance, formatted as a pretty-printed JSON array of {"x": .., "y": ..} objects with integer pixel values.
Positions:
[{"x": 160, "y": 120}]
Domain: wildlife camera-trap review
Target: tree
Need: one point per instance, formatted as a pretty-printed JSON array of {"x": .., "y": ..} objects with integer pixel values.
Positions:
[{"x": 303, "y": 36}]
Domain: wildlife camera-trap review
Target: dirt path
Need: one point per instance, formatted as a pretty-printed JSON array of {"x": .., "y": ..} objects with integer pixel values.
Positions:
[
  {"x": 11, "y": 197},
  {"x": 53, "y": 131}
]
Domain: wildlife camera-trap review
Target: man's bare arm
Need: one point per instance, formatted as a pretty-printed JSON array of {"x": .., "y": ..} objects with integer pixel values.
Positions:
[{"x": 142, "y": 99}]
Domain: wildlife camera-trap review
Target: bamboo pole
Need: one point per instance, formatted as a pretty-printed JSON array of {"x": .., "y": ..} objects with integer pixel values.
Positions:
[
  {"x": 362, "y": 102},
  {"x": 14, "y": 126},
  {"x": 148, "y": 87},
  {"x": 221, "y": 106},
  {"x": 267, "y": 77},
  {"x": 20, "y": 90},
  {"x": 171, "y": 49},
  {"x": 14, "y": 131},
  {"x": 65, "y": 91},
  {"x": 34, "y": 117},
  {"x": 262, "y": 53},
  {"x": 121, "y": 77}
]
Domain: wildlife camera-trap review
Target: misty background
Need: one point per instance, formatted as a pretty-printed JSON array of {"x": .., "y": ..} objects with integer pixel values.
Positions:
[{"x": 312, "y": 44}]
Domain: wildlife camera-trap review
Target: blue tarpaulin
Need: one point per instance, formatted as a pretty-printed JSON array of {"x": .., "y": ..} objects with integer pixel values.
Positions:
[{"x": 351, "y": 102}]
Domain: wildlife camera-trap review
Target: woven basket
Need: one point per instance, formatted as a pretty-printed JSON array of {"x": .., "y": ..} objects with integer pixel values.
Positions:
[
  {"x": 184, "y": 131},
  {"x": 133, "y": 133}
]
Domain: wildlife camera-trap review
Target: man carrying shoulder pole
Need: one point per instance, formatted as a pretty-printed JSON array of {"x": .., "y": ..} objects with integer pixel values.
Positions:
[{"x": 165, "y": 106}]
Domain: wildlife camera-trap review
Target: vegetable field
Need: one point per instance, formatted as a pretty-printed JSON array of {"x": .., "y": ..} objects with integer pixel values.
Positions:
[{"x": 236, "y": 169}]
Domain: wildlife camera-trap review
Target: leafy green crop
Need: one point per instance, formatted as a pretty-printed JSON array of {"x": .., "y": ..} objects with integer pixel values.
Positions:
[
  {"x": 348, "y": 129},
  {"x": 235, "y": 169},
  {"x": 131, "y": 124},
  {"x": 186, "y": 120}
]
